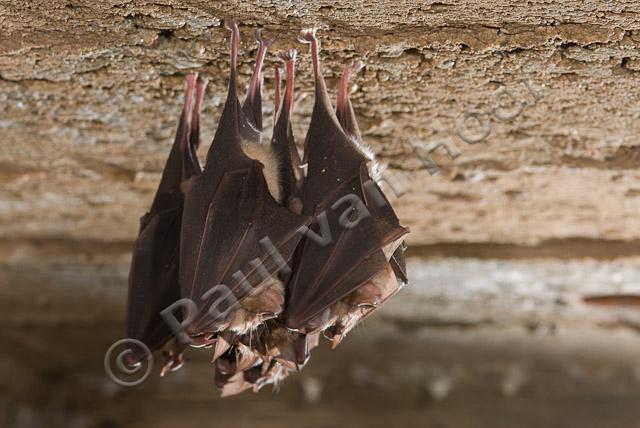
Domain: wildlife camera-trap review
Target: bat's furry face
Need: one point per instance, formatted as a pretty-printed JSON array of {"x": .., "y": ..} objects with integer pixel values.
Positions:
[{"x": 269, "y": 250}]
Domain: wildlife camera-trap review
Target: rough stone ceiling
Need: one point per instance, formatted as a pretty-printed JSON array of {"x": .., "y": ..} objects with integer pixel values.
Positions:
[{"x": 90, "y": 94}]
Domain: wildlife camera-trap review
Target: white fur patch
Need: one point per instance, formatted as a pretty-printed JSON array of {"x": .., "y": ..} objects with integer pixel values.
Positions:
[{"x": 265, "y": 155}]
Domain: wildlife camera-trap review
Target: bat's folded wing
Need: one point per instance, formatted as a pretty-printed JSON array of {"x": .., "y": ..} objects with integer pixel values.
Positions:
[
  {"x": 243, "y": 244},
  {"x": 352, "y": 257},
  {"x": 153, "y": 279},
  {"x": 349, "y": 244}
]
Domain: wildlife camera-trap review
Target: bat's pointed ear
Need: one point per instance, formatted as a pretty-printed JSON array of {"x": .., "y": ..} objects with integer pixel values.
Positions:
[
  {"x": 344, "y": 109},
  {"x": 252, "y": 107},
  {"x": 227, "y": 141}
]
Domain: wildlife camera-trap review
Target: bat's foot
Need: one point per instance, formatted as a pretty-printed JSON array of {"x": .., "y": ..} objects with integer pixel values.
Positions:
[
  {"x": 232, "y": 25},
  {"x": 173, "y": 360},
  {"x": 194, "y": 140},
  {"x": 261, "y": 40},
  {"x": 309, "y": 36},
  {"x": 287, "y": 55},
  {"x": 343, "y": 89},
  {"x": 254, "y": 85}
]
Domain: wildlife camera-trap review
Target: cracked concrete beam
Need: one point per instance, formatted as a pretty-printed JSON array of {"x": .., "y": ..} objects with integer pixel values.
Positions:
[{"x": 90, "y": 93}]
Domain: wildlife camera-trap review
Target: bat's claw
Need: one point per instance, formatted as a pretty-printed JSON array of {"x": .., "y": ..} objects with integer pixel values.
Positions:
[
  {"x": 288, "y": 55},
  {"x": 231, "y": 24},
  {"x": 191, "y": 78},
  {"x": 173, "y": 360},
  {"x": 356, "y": 66},
  {"x": 308, "y": 35},
  {"x": 262, "y": 40}
]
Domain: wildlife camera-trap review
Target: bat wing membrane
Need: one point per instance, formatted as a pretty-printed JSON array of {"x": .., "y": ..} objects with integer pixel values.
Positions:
[
  {"x": 153, "y": 278},
  {"x": 361, "y": 235}
]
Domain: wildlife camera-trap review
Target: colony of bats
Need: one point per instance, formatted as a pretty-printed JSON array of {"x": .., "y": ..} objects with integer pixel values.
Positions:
[{"x": 262, "y": 251}]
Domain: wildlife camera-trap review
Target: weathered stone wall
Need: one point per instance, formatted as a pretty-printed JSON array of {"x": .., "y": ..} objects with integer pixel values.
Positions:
[
  {"x": 91, "y": 92},
  {"x": 541, "y": 210}
]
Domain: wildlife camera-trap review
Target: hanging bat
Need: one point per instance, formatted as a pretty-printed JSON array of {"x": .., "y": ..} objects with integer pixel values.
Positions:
[
  {"x": 153, "y": 278},
  {"x": 346, "y": 267},
  {"x": 270, "y": 257}
]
